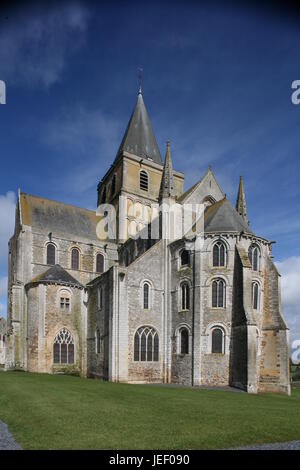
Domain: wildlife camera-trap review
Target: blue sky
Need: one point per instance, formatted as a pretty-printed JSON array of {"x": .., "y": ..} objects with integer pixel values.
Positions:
[{"x": 216, "y": 82}]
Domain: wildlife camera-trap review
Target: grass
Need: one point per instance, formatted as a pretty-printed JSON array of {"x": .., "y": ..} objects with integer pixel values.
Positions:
[{"x": 63, "y": 412}]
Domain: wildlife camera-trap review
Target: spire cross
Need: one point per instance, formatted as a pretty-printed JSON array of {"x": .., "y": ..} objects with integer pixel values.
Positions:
[{"x": 140, "y": 76}]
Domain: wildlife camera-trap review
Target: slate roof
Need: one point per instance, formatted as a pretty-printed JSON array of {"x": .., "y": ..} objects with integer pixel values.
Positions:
[
  {"x": 139, "y": 138},
  {"x": 222, "y": 217},
  {"x": 56, "y": 275},
  {"x": 53, "y": 216}
]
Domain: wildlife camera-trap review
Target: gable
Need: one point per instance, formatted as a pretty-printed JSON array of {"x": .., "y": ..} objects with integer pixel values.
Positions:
[{"x": 206, "y": 188}]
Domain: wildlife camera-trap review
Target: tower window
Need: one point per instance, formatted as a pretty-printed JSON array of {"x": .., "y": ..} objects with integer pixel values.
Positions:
[
  {"x": 185, "y": 296},
  {"x": 185, "y": 258},
  {"x": 253, "y": 254},
  {"x": 50, "y": 254},
  {"x": 113, "y": 185},
  {"x": 103, "y": 197},
  {"x": 219, "y": 254},
  {"x": 75, "y": 258},
  {"x": 100, "y": 263},
  {"x": 218, "y": 293},
  {"x": 144, "y": 180}
]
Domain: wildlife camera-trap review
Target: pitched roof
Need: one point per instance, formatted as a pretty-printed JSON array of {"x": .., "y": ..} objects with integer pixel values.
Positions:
[
  {"x": 222, "y": 217},
  {"x": 139, "y": 138},
  {"x": 167, "y": 187},
  {"x": 53, "y": 216},
  {"x": 56, "y": 275}
]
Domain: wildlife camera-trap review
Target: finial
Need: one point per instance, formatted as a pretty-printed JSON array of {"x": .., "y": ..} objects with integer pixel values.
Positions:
[
  {"x": 209, "y": 167},
  {"x": 140, "y": 76},
  {"x": 168, "y": 143}
]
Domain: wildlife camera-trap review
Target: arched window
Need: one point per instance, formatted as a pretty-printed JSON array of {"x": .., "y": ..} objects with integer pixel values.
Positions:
[
  {"x": 99, "y": 263},
  {"x": 50, "y": 254},
  {"x": 99, "y": 298},
  {"x": 63, "y": 348},
  {"x": 219, "y": 254},
  {"x": 253, "y": 254},
  {"x": 255, "y": 288},
  {"x": 146, "y": 344},
  {"x": 217, "y": 341},
  {"x": 146, "y": 292},
  {"x": 98, "y": 341},
  {"x": 218, "y": 293},
  {"x": 75, "y": 258},
  {"x": 144, "y": 180},
  {"x": 185, "y": 296},
  {"x": 184, "y": 341},
  {"x": 113, "y": 185},
  {"x": 185, "y": 258}
]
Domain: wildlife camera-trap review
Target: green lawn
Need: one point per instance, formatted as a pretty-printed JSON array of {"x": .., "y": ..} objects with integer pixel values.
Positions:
[{"x": 63, "y": 412}]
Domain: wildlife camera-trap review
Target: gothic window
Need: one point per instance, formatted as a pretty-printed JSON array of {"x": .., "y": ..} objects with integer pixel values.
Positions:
[
  {"x": 255, "y": 295},
  {"x": 185, "y": 258},
  {"x": 253, "y": 254},
  {"x": 219, "y": 254},
  {"x": 217, "y": 341},
  {"x": 75, "y": 258},
  {"x": 144, "y": 180},
  {"x": 146, "y": 292},
  {"x": 218, "y": 293},
  {"x": 50, "y": 254},
  {"x": 98, "y": 341},
  {"x": 184, "y": 341},
  {"x": 185, "y": 296},
  {"x": 100, "y": 297},
  {"x": 63, "y": 348},
  {"x": 146, "y": 344},
  {"x": 113, "y": 185},
  {"x": 99, "y": 263}
]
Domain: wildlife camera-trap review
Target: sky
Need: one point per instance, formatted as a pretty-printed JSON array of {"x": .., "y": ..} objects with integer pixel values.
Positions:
[{"x": 216, "y": 81}]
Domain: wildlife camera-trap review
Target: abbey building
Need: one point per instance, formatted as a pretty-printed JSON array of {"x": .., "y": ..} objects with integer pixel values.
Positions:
[{"x": 200, "y": 309}]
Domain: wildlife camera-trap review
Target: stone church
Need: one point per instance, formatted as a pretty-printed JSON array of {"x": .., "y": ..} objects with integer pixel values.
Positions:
[{"x": 145, "y": 309}]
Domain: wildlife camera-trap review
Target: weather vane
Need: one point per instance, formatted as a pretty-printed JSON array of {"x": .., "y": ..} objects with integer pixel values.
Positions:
[{"x": 140, "y": 76}]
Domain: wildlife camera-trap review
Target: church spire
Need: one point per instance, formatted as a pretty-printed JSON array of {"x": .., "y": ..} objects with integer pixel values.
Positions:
[
  {"x": 167, "y": 188},
  {"x": 139, "y": 138},
  {"x": 241, "y": 202}
]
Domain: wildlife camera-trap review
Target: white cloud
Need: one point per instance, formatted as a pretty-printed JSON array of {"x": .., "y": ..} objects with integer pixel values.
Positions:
[
  {"x": 7, "y": 220},
  {"x": 290, "y": 291},
  {"x": 35, "y": 44}
]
